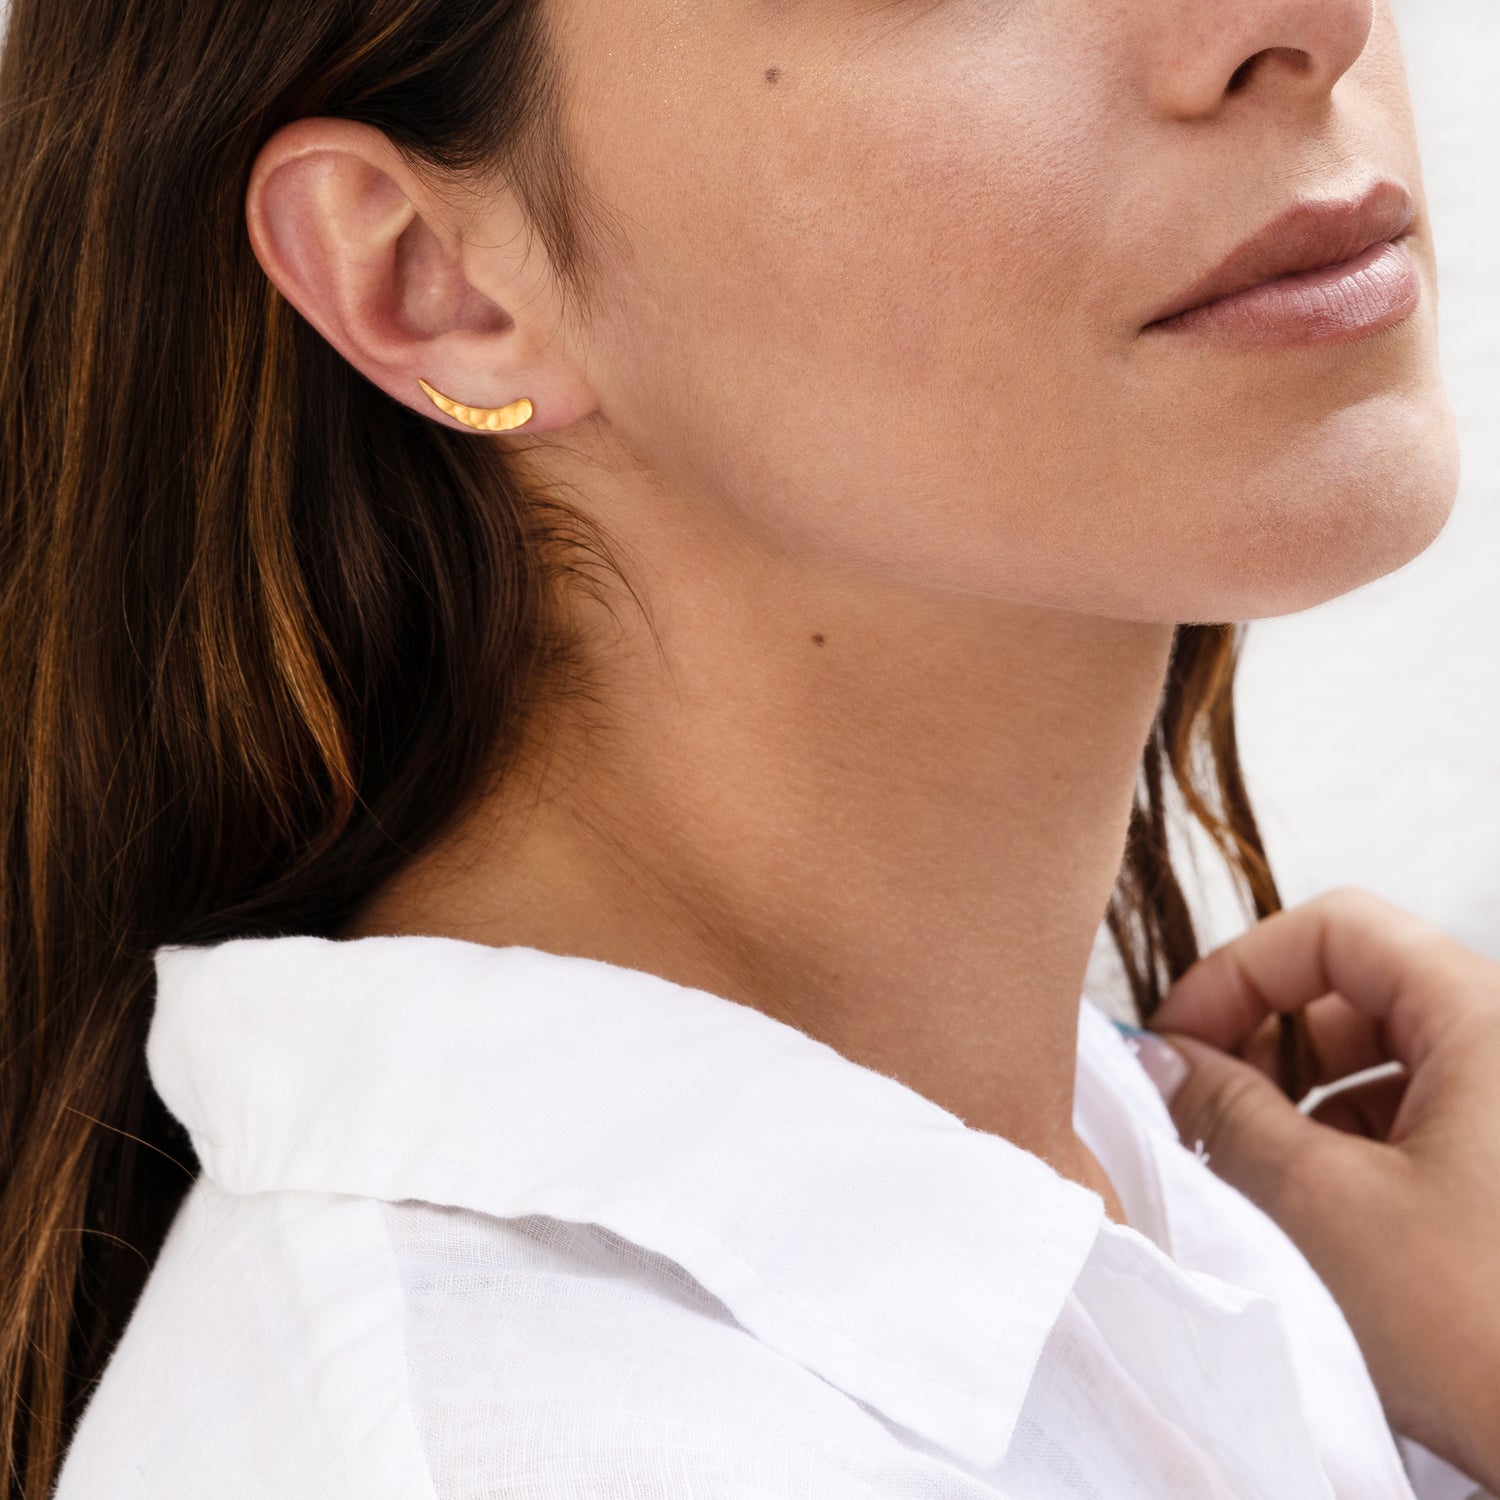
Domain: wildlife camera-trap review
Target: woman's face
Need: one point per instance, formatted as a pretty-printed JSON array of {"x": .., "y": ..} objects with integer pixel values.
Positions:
[{"x": 878, "y": 274}]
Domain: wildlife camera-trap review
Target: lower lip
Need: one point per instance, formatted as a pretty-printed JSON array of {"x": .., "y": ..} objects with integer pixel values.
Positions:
[{"x": 1376, "y": 290}]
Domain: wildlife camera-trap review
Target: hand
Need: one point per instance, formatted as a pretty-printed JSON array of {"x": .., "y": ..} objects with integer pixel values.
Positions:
[{"x": 1391, "y": 1189}]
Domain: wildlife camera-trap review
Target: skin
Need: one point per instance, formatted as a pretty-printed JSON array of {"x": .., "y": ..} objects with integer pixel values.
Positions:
[{"x": 908, "y": 506}]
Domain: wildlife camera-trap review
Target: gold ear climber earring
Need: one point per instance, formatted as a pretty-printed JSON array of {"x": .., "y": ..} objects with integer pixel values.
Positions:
[{"x": 483, "y": 418}]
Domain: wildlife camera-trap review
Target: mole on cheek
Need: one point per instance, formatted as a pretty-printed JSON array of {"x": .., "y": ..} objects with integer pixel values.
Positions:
[
  {"x": 772, "y": 74},
  {"x": 818, "y": 639}
]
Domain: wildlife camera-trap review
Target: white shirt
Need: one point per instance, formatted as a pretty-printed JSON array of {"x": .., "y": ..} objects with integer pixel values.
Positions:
[{"x": 477, "y": 1222}]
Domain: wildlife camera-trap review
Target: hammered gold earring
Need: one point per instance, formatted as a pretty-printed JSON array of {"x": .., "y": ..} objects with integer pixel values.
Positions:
[{"x": 484, "y": 418}]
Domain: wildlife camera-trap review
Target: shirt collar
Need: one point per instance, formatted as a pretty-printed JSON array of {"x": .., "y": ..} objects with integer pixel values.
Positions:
[{"x": 844, "y": 1219}]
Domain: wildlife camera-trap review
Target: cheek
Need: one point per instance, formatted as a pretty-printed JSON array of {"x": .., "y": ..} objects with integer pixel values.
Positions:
[
  {"x": 874, "y": 275},
  {"x": 912, "y": 211}
]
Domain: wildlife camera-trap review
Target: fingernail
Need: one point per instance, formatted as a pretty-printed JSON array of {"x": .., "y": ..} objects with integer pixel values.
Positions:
[{"x": 1164, "y": 1064}]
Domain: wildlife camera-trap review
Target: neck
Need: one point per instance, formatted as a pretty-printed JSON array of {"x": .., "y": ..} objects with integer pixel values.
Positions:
[{"x": 887, "y": 815}]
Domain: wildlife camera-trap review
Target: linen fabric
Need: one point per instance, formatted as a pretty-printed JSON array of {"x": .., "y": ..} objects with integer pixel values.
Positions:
[{"x": 478, "y": 1222}]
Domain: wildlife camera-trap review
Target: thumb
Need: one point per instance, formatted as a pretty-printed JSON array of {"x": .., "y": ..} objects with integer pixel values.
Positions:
[{"x": 1246, "y": 1129}]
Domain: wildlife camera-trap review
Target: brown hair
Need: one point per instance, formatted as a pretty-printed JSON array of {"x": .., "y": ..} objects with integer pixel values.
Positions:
[{"x": 263, "y": 630}]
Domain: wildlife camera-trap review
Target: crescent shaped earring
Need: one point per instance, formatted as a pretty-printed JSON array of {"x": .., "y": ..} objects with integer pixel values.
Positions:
[{"x": 482, "y": 418}]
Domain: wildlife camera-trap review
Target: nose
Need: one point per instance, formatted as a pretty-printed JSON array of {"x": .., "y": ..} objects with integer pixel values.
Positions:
[{"x": 1209, "y": 51}]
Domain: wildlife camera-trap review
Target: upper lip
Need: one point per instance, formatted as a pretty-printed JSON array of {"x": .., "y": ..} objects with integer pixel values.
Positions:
[{"x": 1306, "y": 237}]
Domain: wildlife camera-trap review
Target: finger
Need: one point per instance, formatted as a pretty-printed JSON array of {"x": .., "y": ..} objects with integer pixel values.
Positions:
[
  {"x": 1344, "y": 1041},
  {"x": 1349, "y": 941},
  {"x": 1255, "y": 1139}
]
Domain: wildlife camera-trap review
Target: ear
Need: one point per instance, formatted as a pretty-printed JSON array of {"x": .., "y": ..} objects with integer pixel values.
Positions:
[{"x": 378, "y": 264}]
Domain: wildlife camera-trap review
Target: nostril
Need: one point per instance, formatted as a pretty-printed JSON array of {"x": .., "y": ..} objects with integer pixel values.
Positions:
[
  {"x": 1293, "y": 58},
  {"x": 1241, "y": 75}
]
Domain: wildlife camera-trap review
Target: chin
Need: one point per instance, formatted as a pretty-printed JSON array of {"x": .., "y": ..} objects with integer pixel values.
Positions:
[{"x": 1335, "y": 519}]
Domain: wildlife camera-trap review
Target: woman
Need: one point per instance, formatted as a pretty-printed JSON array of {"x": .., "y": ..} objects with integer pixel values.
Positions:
[{"x": 585, "y": 586}]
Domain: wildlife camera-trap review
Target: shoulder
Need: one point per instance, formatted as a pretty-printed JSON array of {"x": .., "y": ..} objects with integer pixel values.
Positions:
[
  {"x": 549, "y": 1358},
  {"x": 306, "y": 1345},
  {"x": 216, "y": 1385}
]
